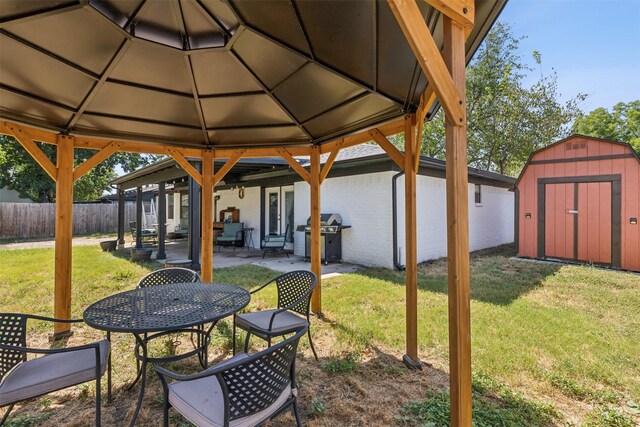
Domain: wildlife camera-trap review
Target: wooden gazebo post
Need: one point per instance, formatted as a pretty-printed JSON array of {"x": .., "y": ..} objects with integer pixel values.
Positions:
[
  {"x": 316, "y": 259},
  {"x": 64, "y": 233},
  {"x": 207, "y": 216},
  {"x": 446, "y": 74},
  {"x": 458, "y": 234}
]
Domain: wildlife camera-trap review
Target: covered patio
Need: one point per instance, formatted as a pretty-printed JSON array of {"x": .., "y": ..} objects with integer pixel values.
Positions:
[{"x": 234, "y": 80}]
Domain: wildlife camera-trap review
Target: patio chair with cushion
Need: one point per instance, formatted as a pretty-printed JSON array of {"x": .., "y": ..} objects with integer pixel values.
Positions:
[
  {"x": 245, "y": 390},
  {"x": 166, "y": 276},
  {"x": 181, "y": 230},
  {"x": 232, "y": 234},
  {"x": 294, "y": 297},
  {"x": 149, "y": 235},
  {"x": 59, "y": 368},
  {"x": 274, "y": 243}
]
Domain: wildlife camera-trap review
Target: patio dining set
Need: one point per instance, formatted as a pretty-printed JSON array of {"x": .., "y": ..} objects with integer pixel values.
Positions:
[{"x": 244, "y": 390}]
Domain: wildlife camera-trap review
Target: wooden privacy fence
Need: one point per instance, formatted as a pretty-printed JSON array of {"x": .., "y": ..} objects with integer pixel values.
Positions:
[{"x": 29, "y": 220}]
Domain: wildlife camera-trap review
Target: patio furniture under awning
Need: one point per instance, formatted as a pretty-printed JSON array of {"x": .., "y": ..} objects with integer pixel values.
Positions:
[{"x": 205, "y": 79}]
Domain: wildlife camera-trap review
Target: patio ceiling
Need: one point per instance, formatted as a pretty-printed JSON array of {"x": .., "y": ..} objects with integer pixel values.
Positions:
[{"x": 213, "y": 73}]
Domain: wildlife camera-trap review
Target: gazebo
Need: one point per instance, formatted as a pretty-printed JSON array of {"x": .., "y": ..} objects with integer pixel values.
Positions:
[{"x": 232, "y": 79}]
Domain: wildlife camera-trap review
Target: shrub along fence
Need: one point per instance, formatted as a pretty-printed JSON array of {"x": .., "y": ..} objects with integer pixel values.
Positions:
[{"x": 30, "y": 220}]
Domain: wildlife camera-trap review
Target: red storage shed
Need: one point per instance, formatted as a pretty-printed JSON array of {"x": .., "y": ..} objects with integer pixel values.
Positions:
[{"x": 579, "y": 199}]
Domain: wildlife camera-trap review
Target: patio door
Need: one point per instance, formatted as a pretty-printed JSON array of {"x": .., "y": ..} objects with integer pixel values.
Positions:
[{"x": 278, "y": 210}]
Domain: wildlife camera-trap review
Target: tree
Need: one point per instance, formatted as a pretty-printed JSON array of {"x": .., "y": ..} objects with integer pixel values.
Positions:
[
  {"x": 21, "y": 173},
  {"x": 622, "y": 123},
  {"x": 506, "y": 119}
]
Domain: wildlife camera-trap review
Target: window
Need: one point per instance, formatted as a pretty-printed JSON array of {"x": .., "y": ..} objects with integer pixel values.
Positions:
[
  {"x": 478, "y": 194},
  {"x": 171, "y": 202}
]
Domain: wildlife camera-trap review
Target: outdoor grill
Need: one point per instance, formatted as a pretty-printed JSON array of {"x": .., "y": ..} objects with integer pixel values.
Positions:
[{"x": 330, "y": 238}]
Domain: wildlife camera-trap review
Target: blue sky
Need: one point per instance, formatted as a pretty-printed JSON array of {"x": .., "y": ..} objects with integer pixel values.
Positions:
[{"x": 593, "y": 45}]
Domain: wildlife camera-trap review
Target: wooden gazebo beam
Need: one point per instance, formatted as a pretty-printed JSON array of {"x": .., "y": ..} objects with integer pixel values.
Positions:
[{"x": 426, "y": 51}]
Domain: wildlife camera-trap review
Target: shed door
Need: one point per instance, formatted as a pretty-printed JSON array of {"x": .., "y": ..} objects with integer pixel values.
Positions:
[
  {"x": 594, "y": 222},
  {"x": 560, "y": 217},
  {"x": 578, "y": 221}
]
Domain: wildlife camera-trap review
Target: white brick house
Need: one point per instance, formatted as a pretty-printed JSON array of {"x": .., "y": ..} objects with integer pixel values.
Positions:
[{"x": 360, "y": 187}]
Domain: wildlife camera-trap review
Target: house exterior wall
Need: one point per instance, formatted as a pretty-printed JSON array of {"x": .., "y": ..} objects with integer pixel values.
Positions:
[
  {"x": 623, "y": 164},
  {"x": 12, "y": 196},
  {"x": 364, "y": 202},
  {"x": 491, "y": 223},
  {"x": 249, "y": 208}
]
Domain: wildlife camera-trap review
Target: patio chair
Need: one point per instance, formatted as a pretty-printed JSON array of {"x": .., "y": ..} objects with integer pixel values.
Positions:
[
  {"x": 181, "y": 230},
  {"x": 294, "y": 296},
  {"x": 59, "y": 368},
  {"x": 245, "y": 390},
  {"x": 232, "y": 234},
  {"x": 149, "y": 235},
  {"x": 169, "y": 275},
  {"x": 274, "y": 243}
]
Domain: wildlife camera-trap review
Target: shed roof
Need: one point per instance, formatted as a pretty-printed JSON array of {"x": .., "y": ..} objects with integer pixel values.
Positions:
[
  {"x": 211, "y": 72},
  {"x": 562, "y": 141}
]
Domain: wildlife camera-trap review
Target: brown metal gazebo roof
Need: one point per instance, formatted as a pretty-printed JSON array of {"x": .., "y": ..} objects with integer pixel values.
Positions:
[{"x": 208, "y": 72}]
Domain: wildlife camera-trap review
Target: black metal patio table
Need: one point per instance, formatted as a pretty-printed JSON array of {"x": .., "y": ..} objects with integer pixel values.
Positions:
[{"x": 152, "y": 312}]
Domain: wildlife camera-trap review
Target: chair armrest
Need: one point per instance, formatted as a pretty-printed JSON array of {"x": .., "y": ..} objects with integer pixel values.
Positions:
[
  {"x": 213, "y": 370},
  {"x": 34, "y": 350},
  {"x": 239, "y": 233},
  {"x": 52, "y": 319},
  {"x": 290, "y": 306},
  {"x": 261, "y": 287}
]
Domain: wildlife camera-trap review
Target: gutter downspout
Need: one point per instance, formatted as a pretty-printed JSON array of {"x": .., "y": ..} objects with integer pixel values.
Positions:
[{"x": 394, "y": 209}]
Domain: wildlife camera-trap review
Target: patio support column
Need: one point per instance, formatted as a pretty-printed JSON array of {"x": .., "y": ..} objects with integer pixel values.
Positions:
[
  {"x": 162, "y": 220},
  {"x": 411, "y": 270},
  {"x": 316, "y": 264},
  {"x": 138, "y": 217},
  {"x": 207, "y": 216},
  {"x": 64, "y": 233},
  {"x": 458, "y": 234},
  {"x": 121, "y": 206},
  {"x": 194, "y": 219}
]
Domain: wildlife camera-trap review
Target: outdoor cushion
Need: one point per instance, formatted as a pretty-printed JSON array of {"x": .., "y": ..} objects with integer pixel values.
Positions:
[
  {"x": 201, "y": 401},
  {"x": 50, "y": 373},
  {"x": 232, "y": 232},
  {"x": 282, "y": 323},
  {"x": 273, "y": 243}
]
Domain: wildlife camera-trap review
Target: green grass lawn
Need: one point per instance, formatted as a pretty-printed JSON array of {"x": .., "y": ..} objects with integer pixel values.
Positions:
[{"x": 552, "y": 345}]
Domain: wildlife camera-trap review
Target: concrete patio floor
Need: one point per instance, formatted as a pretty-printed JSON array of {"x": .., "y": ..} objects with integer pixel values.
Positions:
[{"x": 227, "y": 257}]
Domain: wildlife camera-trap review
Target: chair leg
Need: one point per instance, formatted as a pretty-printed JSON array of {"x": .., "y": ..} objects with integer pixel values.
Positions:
[
  {"x": 246, "y": 342},
  {"x": 98, "y": 401},
  {"x": 311, "y": 344},
  {"x": 165, "y": 410},
  {"x": 6, "y": 414},
  {"x": 296, "y": 412},
  {"x": 233, "y": 340},
  {"x": 268, "y": 341}
]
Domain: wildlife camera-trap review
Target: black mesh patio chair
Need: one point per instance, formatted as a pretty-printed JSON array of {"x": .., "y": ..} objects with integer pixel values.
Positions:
[
  {"x": 22, "y": 378},
  {"x": 294, "y": 297},
  {"x": 166, "y": 276},
  {"x": 243, "y": 391}
]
